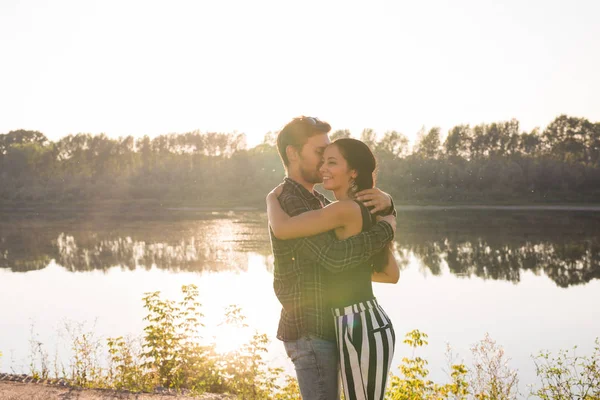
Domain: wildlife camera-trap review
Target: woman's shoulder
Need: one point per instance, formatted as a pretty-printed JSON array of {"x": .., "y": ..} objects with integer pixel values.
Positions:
[{"x": 346, "y": 208}]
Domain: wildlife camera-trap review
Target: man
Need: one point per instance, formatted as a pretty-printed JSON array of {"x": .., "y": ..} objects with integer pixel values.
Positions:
[{"x": 306, "y": 324}]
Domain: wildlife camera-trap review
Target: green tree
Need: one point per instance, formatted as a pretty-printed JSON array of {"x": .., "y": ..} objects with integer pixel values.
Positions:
[
  {"x": 458, "y": 141},
  {"x": 429, "y": 145},
  {"x": 369, "y": 137},
  {"x": 393, "y": 143},
  {"x": 530, "y": 143},
  {"x": 270, "y": 139},
  {"x": 340, "y": 133},
  {"x": 21, "y": 136},
  {"x": 568, "y": 137}
]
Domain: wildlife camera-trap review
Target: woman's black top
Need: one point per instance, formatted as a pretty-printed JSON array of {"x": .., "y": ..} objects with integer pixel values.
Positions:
[{"x": 353, "y": 285}]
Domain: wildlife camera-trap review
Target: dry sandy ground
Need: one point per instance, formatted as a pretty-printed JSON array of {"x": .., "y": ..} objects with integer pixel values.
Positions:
[{"x": 39, "y": 391}]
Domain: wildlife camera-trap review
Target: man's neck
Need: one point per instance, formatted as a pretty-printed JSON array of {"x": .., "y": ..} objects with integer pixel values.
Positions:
[{"x": 298, "y": 179}]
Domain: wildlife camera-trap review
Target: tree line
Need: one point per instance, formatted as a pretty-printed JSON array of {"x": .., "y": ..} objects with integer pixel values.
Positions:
[{"x": 486, "y": 163}]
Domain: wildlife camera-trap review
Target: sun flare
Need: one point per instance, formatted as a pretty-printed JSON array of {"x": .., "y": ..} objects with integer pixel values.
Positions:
[{"x": 251, "y": 291}]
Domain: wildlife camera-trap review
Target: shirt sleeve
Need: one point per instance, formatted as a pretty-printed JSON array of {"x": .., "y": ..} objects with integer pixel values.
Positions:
[
  {"x": 391, "y": 210},
  {"x": 340, "y": 255}
]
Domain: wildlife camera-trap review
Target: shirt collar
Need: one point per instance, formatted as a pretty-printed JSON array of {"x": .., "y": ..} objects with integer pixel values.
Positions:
[{"x": 301, "y": 190}]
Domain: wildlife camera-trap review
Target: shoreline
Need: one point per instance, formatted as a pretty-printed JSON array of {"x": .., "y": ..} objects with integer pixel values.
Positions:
[
  {"x": 135, "y": 208},
  {"x": 15, "y": 387}
]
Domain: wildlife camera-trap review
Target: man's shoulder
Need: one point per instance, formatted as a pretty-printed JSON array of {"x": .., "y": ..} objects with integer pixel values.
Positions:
[
  {"x": 290, "y": 193},
  {"x": 293, "y": 203}
]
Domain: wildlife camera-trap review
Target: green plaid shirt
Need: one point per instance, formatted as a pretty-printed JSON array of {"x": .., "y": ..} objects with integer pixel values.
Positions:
[{"x": 300, "y": 266}]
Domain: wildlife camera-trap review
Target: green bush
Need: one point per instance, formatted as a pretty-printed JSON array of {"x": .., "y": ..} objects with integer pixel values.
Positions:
[
  {"x": 414, "y": 383},
  {"x": 172, "y": 355},
  {"x": 568, "y": 375},
  {"x": 244, "y": 371}
]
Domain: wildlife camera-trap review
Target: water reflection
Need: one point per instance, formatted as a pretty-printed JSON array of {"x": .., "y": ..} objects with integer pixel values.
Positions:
[
  {"x": 567, "y": 264},
  {"x": 564, "y": 246},
  {"x": 206, "y": 245},
  {"x": 187, "y": 254},
  {"x": 496, "y": 246}
]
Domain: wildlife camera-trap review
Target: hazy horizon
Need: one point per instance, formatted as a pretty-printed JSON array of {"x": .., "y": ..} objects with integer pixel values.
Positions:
[{"x": 153, "y": 68}]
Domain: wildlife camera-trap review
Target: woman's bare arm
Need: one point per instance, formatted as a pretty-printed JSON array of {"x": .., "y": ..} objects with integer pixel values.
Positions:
[{"x": 310, "y": 223}]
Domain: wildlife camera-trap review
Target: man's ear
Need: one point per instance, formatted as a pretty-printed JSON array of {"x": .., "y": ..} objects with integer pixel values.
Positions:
[{"x": 292, "y": 153}]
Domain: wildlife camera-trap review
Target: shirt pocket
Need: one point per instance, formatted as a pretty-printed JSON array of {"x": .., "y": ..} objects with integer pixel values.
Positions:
[
  {"x": 381, "y": 329},
  {"x": 287, "y": 274}
]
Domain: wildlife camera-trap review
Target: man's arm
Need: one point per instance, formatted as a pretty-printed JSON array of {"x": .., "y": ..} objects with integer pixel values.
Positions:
[{"x": 340, "y": 255}]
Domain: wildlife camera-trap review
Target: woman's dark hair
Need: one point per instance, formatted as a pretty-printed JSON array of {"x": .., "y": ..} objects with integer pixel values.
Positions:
[{"x": 361, "y": 159}]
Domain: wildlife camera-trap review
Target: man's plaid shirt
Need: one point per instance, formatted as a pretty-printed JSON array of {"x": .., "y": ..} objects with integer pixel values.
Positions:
[{"x": 300, "y": 266}]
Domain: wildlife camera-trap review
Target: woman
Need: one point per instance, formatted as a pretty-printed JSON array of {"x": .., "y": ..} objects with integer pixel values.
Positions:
[{"x": 364, "y": 333}]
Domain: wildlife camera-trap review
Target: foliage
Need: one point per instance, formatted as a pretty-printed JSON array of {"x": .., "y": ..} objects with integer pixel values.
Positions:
[
  {"x": 243, "y": 370},
  {"x": 568, "y": 375},
  {"x": 290, "y": 391},
  {"x": 172, "y": 351},
  {"x": 339, "y": 134},
  {"x": 37, "y": 352},
  {"x": 414, "y": 382},
  {"x": 126, "y": 369},
  {"x": 492, "y": 379},
  {"x": 85, "y": 368},
  {"x": 171, "y": 354},
  {"x": 494, "y": 162},
  {"x": 429, "y": 144},
  {"x": 246, "y": 373},
  {"x": 489, "y": 378}
]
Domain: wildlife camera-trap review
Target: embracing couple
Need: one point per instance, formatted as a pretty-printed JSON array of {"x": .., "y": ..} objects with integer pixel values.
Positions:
[{"x": 326, "y": 255}]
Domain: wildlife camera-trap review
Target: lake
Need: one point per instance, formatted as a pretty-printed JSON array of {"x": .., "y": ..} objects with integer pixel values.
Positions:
[{"x": 528, "y": 278}]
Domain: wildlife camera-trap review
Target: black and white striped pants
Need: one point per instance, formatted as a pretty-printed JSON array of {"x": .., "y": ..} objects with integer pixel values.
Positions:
[{"x": 366, "y": 341}]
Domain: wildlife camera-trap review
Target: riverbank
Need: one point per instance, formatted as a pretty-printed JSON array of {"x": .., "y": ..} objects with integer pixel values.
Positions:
[{"x": 22, "y": 387}]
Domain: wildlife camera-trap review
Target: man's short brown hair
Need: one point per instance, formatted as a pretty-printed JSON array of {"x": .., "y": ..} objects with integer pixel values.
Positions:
[{"x": 297, "y": 132}]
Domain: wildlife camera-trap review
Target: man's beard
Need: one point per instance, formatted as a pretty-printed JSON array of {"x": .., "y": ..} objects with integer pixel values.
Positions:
[{"x": 311, "y": 176}]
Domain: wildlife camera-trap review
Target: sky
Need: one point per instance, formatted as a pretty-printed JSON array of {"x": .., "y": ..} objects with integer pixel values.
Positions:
[{"x": 153, "y": 67}]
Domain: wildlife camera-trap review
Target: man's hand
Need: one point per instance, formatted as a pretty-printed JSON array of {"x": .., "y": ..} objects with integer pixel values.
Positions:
[
  {"x": 390, "y": 219},
  {"x": 374, "y": 197}
]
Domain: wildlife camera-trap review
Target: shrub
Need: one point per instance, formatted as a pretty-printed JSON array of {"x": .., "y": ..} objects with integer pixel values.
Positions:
[
  {"x": 491, "y": 376},
  {"x": 568, "y": 376},
  {"x": 414, "y": 383}
]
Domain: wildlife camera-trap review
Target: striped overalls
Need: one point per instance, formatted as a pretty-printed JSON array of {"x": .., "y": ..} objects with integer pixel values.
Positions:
[{"x": 366, "y": 340}]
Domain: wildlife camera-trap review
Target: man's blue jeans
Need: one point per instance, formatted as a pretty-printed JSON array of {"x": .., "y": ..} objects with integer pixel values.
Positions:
[{"x": 316, "y": 363}]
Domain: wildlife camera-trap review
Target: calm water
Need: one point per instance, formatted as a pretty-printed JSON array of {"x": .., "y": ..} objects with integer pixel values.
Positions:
[{"x": 528, "y": 278}]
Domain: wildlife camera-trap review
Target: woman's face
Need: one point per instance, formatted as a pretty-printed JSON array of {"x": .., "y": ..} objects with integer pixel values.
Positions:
[{"x": 335, "y": 171}]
